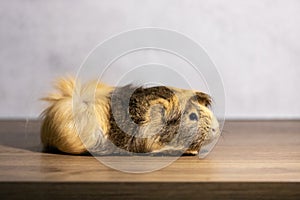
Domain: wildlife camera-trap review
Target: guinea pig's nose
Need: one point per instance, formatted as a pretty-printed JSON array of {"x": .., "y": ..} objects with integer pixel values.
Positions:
[{"x": 214, "y": 127}]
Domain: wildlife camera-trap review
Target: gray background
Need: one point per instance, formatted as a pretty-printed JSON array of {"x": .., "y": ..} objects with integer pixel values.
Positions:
[{"x": 254, "y": 44}]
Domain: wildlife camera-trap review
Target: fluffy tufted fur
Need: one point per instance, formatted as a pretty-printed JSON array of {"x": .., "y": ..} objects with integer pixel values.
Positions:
[{"x": 106, "y": 120}]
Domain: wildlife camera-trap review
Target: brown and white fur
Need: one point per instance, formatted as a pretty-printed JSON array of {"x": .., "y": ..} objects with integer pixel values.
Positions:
[{"x": 104, "y": 120}]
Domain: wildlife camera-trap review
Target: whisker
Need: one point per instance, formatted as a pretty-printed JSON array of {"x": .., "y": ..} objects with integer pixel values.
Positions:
[{"x": 223, "y": 133}]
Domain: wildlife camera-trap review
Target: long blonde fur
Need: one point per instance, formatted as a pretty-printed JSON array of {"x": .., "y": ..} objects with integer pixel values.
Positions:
[{"x": 75, "y": 116}]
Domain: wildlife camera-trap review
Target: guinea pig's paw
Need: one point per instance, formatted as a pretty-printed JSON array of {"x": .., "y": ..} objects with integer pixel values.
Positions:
[
  {"x": 190, "y": 153},
  {"x": 168, "y": 151}
]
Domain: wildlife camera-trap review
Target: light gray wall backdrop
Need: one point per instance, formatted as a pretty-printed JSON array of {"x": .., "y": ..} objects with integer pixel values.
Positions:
[{"x": 254, "y": 44}]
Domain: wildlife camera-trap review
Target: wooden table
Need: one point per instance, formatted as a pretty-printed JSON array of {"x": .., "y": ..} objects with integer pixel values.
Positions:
[{"x": 252, "y": 160}]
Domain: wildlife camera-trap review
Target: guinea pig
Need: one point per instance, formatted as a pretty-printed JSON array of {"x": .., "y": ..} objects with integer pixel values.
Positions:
[{"x": 104, "y": 120}]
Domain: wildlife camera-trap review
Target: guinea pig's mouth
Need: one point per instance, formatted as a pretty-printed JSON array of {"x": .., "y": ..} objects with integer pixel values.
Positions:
[
  {"x": 204, "y": 144},
  {"x": 212, "y": 136},
  {"x": 214, "y": 132},
  {"x": 191, "y": 143}
]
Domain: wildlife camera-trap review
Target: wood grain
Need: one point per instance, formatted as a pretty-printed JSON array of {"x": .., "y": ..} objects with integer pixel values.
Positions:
[{"x": 252, "y": 158}]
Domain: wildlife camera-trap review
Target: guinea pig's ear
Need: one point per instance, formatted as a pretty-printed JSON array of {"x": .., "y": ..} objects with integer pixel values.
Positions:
[
  {"x": 203, "y": 99},
  {"x": 148, "y": 104}
]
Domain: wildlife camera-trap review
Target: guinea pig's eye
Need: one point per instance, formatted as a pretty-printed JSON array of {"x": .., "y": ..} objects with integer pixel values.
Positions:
[{"x": 193, "y": 117}]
